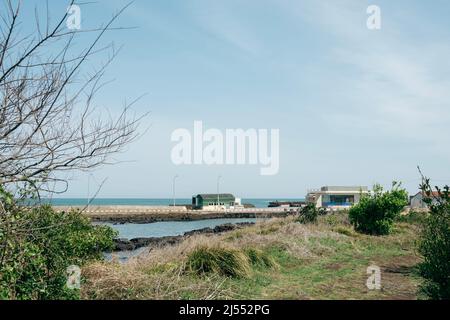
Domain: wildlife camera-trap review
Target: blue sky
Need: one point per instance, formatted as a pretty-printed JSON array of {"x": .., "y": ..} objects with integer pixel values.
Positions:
[{"x": 354, "y": 106}]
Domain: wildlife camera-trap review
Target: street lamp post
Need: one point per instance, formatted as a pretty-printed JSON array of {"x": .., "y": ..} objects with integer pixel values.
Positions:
[
  {"x": 218, "y": 194},
  {"x": 173, "y": 189},
  {"x": 88, "y": 190},
  {"x": 87, "y": 204}
]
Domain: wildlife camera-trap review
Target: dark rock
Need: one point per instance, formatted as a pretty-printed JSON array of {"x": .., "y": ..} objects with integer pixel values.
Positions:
[
  {"x": 224, "y": 228},
  {"x": 199, "y": 231},
  {"x": 136, "y": 243},
  {"x": 155, "y": 242},
  {"x": 245, "y": 224},
  {"x": 123, "y": 245}
]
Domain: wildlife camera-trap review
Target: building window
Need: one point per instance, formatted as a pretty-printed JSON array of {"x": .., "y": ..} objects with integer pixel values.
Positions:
[{"x": 341, "y": 200}]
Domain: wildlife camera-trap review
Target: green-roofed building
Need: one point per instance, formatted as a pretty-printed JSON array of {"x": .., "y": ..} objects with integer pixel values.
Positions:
[{"x": 214, "y": 200}]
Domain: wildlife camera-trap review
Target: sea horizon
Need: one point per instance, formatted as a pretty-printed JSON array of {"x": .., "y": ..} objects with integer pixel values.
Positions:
[{"x": 67, "y": 201}]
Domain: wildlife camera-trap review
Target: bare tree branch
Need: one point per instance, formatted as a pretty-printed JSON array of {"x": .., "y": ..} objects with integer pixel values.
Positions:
[{"x": 48, "y": 123}]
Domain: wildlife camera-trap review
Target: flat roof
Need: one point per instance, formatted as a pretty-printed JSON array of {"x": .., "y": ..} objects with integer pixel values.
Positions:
[
  {"x": 215, "y": 195},
  {"x": 344, "y": 188}
]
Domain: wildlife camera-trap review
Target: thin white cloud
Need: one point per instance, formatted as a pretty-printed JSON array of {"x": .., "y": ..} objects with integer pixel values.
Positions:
[
  {"x": 390, "y": 85},
  {"x": 221, "y": 20}
]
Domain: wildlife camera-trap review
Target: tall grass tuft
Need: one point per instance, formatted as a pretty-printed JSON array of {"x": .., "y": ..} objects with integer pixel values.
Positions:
[
  {"x": 227, "y": 262},
  {"x": 259, "y": 258}
]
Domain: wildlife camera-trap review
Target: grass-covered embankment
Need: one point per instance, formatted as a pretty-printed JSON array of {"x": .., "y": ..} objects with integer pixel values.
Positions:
[{"x": 275, "y": 259}]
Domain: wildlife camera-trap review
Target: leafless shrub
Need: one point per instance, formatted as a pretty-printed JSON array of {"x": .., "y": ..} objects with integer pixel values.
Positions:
[{"x": 48, "y": 123}]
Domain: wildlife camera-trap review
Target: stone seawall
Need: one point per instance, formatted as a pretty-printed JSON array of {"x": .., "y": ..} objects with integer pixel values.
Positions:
[{"x": 147, "y": 214}]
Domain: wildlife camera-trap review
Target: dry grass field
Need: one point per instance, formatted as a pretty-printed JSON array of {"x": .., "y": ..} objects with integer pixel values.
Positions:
[{"x": 274, "y": 259}]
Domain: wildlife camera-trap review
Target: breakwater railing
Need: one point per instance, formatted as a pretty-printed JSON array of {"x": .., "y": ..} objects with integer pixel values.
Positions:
[{"x": 132, "y": 210}]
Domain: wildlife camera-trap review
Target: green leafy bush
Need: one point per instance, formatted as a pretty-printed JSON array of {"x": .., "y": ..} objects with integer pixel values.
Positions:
[
  {"x": 37, "y": 245},
  {"x": 310, "y": 213},
  {"x": 434, "y": 245},
  {"x": 375, "y": 213},
  {"x": 413, "y": 217},
  {"x": 224, "y": 261}
]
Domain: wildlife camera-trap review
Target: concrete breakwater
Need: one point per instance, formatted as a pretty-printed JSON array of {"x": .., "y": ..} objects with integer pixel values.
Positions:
[
  {"x": 158, "y": 242},
  {"x": 149, "y": 214}
]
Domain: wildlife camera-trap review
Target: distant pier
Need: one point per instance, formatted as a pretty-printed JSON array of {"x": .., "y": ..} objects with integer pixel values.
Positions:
[{"x": 148, "y": 214}]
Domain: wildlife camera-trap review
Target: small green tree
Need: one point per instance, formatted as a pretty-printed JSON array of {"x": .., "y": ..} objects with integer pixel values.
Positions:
[
  {"x": 434, "y": 243},
  {"x": 37, "y": 245},
  {"x": 376, "y": 212},
  {"x": 310, "y": 213},
  {"x": 49, "y": 126}
]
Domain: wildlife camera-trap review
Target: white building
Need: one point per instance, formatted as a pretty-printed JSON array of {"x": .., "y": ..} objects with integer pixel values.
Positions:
[
  {"x": 336, "y": 197},
  {"x": 216, "y": 202},
  {"x": 416, "y": 201}
]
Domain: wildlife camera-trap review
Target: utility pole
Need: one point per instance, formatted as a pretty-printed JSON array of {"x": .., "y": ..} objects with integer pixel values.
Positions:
[
  {"x": 89, "y": 176},
  {"x": 218, "y": 194},
  {"x": 88, "y": 190},
  {"x": 173, "y": 189}
]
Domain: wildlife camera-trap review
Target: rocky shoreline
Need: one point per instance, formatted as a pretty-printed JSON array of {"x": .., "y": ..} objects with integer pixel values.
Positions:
[
  {"x": 157, "y": 242},
  {"x": 182, "y": 216}
]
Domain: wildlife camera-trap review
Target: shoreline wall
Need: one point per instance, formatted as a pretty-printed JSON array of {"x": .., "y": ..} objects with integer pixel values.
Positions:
[{"x": 149, "y": 214}]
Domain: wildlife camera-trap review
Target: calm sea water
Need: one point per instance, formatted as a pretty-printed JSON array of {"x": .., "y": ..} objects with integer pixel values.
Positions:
[
  {"x": 157, "y": 229},
  {"x": 258, "y": 203},
  {"x": 161, "y": 229},
  {"x": 169, "y": 228}
]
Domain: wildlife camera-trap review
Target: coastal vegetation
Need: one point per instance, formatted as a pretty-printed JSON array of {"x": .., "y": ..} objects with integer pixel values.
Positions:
[
  {"x": 375, "y": 213},
  {"x": 310, "y": 213},
  {"x": 312, "y": 255},
  {"x": 48, "y": 127},
  {"x": 38, "y": 245},
  {"x": 224, "y": 261},
  {"x": 276, "y": 259},
  {"x": 434, "y": 243}
]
